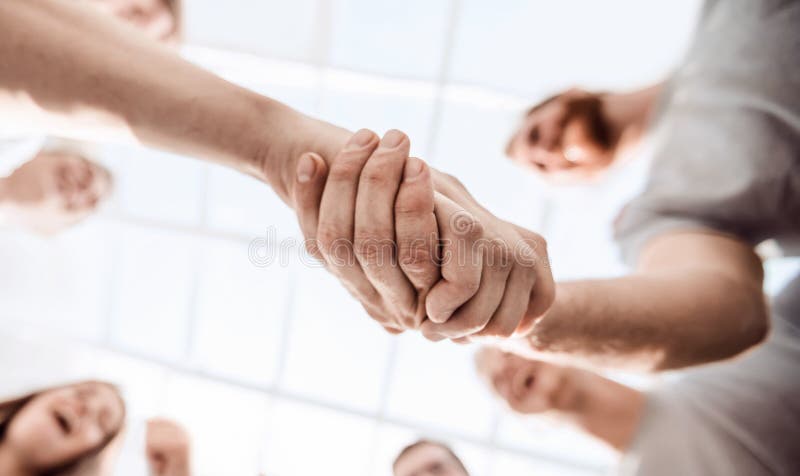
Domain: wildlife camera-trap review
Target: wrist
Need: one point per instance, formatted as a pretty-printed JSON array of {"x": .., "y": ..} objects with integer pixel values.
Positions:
[{"x": 284, "y": 136}]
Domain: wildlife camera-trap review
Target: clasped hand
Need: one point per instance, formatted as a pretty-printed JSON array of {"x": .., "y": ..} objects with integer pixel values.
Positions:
[{"x": 414, "y": 247}]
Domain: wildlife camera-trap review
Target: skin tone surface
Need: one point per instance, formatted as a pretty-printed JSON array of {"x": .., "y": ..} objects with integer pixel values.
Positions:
[
  {"x": 155, "y": 18},
  {"x": 59, "y": 425},
  {"x": 52, "y": 191},
  {"x": 168, "y": 448},
  {"x": 576, "y": 136},
  {"x": 601, "y": 407},
  {"x": 428, "y": 460}
]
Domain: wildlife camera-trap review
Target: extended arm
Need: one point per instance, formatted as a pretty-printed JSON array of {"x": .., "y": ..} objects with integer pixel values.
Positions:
[
  {"x": 599, "y": 406},
  {"x": 69, "y": 70},
  {"x": 695, "y": 297}
]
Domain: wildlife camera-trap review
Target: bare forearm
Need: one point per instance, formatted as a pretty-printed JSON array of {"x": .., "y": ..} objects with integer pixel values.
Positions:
[
  {"x": 651, "y": 322},
  {"x": 66, "y": 69},
  {"x": 603, "y": 408}
]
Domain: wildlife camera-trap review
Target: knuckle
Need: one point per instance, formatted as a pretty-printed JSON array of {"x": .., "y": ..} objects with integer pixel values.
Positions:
[
  {"x": 499, "y": 256},
  {"x": 348, "y": 166},
  {"x": 469, "y": 286},
  {"x": 375, "y": 175},
  {"x": 475, "y": 230},
  {"x": 501, "y": 327},
  {"x": 415, "y": 253},
  {"x": 464, "y": 225},
  {"x": 372, "y": 246},
  {"x": 412, "y": 204},
  {"x": 312, "y": 247},
  {"x": 328, "y": 233}
]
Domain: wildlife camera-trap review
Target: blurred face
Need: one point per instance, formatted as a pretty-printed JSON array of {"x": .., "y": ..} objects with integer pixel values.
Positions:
[
  {"x": 155, "y": 18},
  {"x": 528, "y": 386},
  {"x": 428, "y": 460},
  {"x": 56, "y": 190},
  {"x": 564, "y": 139},
  {"x": 62, "y": 424}
]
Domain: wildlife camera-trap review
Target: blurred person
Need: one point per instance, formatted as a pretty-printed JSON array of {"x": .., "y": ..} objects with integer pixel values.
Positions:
[
  {"x": 724, "y": 130},
  {"x": 579, "y": 135},
  {"x": 76, "y": 430},
  {"x": 53, "y": 191},
  {"x": 724, "y": 133},
  {"x": 428, "y": 458},
  {"x": 67, "y": 430},
  {"x": 596, "y": 405},
  {"x": 729, "y": 418}
]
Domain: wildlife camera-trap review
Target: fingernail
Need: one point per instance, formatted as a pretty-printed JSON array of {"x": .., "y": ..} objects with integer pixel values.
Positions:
[
  {"x": 392, "y": 139},
  {"x": 306, "y": 167},
  {"x": 360, "y": 139},
  {"x": 413, "y": 169}
]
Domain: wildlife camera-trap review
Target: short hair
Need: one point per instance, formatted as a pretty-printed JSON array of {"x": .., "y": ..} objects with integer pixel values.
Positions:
[{"x": 425, "y": 442}]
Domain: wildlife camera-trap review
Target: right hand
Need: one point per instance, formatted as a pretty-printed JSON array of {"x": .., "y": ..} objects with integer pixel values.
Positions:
[
  {"x": 527, "y": 386},
  {"x": 566, "y": 137}
]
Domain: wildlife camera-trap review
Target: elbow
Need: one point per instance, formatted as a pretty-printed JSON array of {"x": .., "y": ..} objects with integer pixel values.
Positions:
[{"x": 740, "y": 324}]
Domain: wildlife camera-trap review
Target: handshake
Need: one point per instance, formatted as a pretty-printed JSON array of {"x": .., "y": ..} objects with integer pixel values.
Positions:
[{"x": 414, "y": 247}]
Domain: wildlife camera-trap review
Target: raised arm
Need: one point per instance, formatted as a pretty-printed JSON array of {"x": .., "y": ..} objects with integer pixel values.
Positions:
[
  {"x": 695, "y": 297},
  {"x": 600, "y": 407},
  {"x": 67, "y": 69}
]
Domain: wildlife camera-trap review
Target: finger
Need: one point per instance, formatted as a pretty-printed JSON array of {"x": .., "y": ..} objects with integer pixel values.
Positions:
[
  {"x": 508, "y": 316},
  {"x": 375, "y": 247},
  {"x": 392, "y": 330},
  {"x": 473, "y": 316},
  {"x": 543, "y": 288},
  {"x": 337, "y": 218},
  {"x": 462, "y": 260},
  {"x": 416, "y": 232},
  {"x": 378, "y": 316},
  {"x": 309, "y": 185}
]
